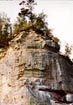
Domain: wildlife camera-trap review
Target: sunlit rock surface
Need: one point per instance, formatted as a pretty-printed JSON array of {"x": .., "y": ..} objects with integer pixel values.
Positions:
[{"x": 30, "y": 56}]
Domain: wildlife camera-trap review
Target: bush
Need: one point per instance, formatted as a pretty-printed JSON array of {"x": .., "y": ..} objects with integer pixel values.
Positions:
[{"x": 4, "y": 30}]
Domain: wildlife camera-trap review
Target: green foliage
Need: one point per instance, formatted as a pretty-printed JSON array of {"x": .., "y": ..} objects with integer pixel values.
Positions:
[
  {"x": 40, "y": 21},
  {"x": 16, "y": 28},
  {"x": 20, "y": 26},
  {"x": 27, "y": 26},
  {"x": 4, "y": 29},
  {"x": 25, "y": 17},
  {"x": 28, "y": 19},
  {"x": 27, "y": 10},
  {"x": 55, "y": 39},
  {"x": 68, "y": 49}
]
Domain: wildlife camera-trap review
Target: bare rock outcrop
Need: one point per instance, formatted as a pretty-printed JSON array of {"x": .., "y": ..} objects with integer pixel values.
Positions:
[{"x": 50, "y": 75}]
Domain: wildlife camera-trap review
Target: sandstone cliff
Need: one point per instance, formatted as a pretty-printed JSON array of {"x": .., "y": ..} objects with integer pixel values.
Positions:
[{"x": 32, "y": 57}]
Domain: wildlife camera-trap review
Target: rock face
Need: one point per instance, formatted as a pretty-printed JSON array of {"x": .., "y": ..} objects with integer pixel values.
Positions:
[{"x": 32, "y": 57}]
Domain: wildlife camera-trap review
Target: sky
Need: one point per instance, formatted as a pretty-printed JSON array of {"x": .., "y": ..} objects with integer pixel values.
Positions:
[{"x": 59, "y": 16}]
